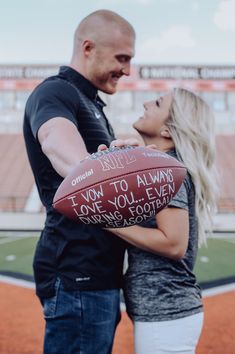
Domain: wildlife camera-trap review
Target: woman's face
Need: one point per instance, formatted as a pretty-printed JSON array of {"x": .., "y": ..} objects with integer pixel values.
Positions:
[{"x": 155, "y": 115}]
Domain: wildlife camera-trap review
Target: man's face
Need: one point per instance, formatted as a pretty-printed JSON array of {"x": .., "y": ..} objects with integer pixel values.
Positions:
[{"x": 109, "y": 61}]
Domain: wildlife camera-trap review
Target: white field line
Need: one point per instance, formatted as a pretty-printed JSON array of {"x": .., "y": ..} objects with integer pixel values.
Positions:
[
  {"x": 205, "y": 293},
  {"x": 19, "y": 234},
  {"x": 17, "y": 282},
  {"x": 218, "y": 290},
  {"x": 12, "y": 239},
  {"x": 222, "y": 236}
]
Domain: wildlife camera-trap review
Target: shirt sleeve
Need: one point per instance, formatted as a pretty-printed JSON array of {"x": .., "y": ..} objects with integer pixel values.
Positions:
[
  {"x": 51, "y": 99},
  {"x": 180, "y": 200}
]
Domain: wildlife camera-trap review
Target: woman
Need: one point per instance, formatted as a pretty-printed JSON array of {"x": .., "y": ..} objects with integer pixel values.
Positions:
[{"x": 162, "y": 296}]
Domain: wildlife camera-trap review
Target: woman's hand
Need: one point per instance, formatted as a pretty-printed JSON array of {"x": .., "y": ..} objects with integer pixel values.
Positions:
[
  {"x": 102, "y": 147},
  {"x": 120, "y": 143},
  {"x": 124, "y": 142}
]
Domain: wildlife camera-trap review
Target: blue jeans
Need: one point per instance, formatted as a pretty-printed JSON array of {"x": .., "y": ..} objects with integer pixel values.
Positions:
[{"x": 81, "y": 322}]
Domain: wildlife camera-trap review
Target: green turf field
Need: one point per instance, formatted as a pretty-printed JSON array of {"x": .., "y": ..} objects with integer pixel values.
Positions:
[
  {"x": 16, "y": 254},
  {"x": 216, "y": 261}
]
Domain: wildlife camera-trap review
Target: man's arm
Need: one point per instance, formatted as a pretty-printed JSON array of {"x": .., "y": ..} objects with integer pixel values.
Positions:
[{"x": 62, "y": 144}]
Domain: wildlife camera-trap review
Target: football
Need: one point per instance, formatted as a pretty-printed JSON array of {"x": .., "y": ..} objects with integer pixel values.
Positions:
[{"x": 119, "y": 187}]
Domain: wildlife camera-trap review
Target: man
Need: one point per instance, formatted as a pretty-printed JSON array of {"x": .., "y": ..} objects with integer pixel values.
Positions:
[{"x": 77, "y": 268}]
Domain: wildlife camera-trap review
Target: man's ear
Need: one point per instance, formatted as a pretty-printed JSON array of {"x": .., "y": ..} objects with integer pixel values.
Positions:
[
  {"x": 165, "y": 133},
  {"x": 87, "y": 45}
]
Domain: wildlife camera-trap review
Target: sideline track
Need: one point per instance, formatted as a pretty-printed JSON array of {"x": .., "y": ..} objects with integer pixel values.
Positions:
[
  {"x": 205, "y": 293},
  {"x": 22, "y": 324}
]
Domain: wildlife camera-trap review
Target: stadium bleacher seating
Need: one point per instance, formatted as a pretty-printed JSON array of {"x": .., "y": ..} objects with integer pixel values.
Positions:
[
  {"x": 16, "y": 180},
  {"x": 17, "y": 183}
]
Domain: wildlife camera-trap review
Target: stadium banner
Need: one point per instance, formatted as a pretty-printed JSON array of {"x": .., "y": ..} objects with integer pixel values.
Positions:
[{"x": 142, "y": 78}]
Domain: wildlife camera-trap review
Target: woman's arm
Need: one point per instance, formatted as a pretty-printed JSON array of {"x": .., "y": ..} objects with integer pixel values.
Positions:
[{"x": 170, "y": 239}]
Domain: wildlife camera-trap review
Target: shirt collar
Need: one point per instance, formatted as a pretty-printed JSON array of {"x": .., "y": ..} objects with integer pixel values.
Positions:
[{"x": 81, "y": 83}]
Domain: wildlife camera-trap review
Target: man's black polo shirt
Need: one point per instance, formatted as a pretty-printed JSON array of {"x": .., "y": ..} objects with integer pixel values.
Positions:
[{"x": 84, "y": 256}]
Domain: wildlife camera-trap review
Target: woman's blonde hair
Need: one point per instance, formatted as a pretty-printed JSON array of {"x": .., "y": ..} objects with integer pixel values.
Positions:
[{"x": 191, "y": 125}]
